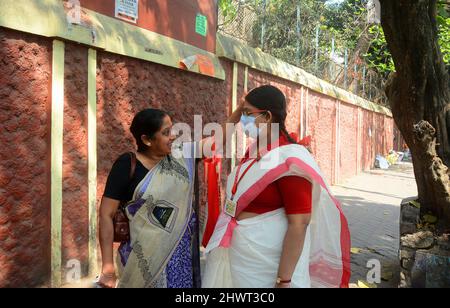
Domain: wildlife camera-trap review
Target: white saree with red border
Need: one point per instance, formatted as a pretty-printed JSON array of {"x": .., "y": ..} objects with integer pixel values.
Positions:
[{"x": 246, "y": 253}]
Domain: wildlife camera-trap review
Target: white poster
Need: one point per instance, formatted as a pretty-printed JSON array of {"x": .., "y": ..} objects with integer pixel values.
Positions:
[{"x": 127, "y": 10}]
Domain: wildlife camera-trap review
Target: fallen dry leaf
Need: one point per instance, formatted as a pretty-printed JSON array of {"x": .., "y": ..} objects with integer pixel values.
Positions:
[
  {"x": 386, "y": 275},
  {"x": 365, "y": 285},
  {"x": 355, "y": 250}
]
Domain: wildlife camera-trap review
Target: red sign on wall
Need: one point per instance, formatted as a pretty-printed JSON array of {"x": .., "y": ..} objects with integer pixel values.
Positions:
[{"x": 191, "y": 21}]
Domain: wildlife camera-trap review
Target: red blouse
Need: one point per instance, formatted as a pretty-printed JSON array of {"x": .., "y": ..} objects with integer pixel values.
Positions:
[{"x": 291, "y": 192}]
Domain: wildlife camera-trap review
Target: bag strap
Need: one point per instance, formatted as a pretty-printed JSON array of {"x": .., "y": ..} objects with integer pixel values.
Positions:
[
  {"x": 133, "y": 165},
  {"x": 130, "y": 176}
]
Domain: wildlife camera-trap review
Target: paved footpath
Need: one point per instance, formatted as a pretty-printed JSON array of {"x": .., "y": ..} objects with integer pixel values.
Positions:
[{"x": 371, "y": 203}]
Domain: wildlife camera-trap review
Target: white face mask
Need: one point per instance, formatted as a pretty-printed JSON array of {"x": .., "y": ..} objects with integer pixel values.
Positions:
[{"x": 249, "y": 126}]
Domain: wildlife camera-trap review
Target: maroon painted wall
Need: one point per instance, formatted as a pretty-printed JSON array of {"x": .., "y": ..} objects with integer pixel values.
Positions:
[
  {"x": 321, "y": 127},
  {"x": 388, "y": 134},
  {"x": 291, "y": 90},
  {"x": 348, "y": 133},
  {"x": 173, "y": 18},
  {"x": 25, "y": 87}
]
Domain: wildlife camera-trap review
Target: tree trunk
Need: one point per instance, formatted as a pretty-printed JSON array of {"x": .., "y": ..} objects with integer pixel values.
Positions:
[{"x": 420, "y": 91}]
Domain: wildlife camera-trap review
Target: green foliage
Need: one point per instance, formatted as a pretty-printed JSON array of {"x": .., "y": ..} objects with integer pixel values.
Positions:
[
  {"x": 378, "y": 57},
  {"x": 280, "y": 28},
  {"x": 228, "y": 10},
  {"x": 345, "y": 22},
  {"x": 444, "y": 37}
]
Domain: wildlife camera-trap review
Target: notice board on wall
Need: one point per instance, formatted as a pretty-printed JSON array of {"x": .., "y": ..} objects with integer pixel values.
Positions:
[
  {"x": 191, "y": 21},
  {"x": 127, "y": 10}
]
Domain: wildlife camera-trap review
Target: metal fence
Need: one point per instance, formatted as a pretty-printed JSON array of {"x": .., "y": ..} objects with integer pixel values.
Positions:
[{"x": 314, "y": 49}]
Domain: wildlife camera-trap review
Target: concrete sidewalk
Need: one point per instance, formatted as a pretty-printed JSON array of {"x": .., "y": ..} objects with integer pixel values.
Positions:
[{"x": 371, "y": 203}]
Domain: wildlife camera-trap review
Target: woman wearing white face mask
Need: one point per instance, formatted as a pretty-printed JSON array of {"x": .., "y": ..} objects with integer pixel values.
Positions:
[{"x": 280, "y": 226}]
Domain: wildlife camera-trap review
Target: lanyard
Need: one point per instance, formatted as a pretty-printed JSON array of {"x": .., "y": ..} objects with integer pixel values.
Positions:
[{"x": 238, "y": 180}]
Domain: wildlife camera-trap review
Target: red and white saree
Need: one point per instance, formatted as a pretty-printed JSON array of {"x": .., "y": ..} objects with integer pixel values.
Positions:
[{"x": 246, "y": 253}]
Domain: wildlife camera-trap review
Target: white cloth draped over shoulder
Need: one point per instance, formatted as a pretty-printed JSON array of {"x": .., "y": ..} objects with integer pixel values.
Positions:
[
  {"x": 246, "y": 253},
  {"x": 159, "y": 215}
]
